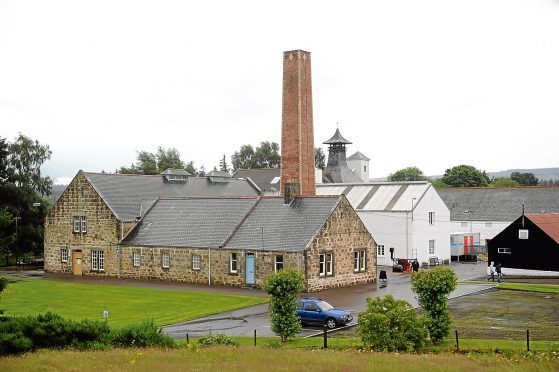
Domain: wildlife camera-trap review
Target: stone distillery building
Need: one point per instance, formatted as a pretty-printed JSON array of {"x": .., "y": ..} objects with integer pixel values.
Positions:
[{"x": 216, "y": 230}]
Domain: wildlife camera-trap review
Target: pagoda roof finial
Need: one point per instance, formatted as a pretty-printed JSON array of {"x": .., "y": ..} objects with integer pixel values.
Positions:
[{"x": 337, "y": 138}]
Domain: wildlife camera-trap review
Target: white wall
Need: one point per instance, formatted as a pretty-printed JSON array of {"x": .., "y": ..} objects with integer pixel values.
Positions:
[
  {"x": 485, "y": 232},
  {"x": 357, "y": 166}
]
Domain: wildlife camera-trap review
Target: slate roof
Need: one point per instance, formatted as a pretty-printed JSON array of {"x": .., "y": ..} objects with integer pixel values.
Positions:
[
  {"x": 234, "y": 223},
  {"x": 548, "y": 222},
  {"x": 358, "y": 156},
  {"x": 378, "y": 196},
  {"x": 262, "y": 177},
  {"x": 339, "y": 174},
  {"x": 337, "y": 138},
  {"x": 498, "y": 204},
  {"x": 128, "y": 196}
]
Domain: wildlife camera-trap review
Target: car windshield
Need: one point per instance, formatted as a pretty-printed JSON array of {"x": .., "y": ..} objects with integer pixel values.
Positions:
[{"x": 324, "y": 306}]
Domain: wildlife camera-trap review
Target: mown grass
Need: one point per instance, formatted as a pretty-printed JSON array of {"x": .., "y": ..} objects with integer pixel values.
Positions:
[
  {"x": 126, "y": 305},
  {"x": 526, "y": 287},
  {"x": 261, "y": 359}
]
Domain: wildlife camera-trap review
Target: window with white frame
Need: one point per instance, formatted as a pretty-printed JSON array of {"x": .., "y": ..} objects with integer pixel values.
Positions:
[
  {"x": 196, "y": 260},
  {"x": 136, "y": 259},
  {"x": 504, "y": 250},
  {"x": 431, "y": 218},
  {"x": 64, "y": 254},
  {"x": 359, "y": 262},
  {"x": 165, "y": 260},
  {"x": 326, "y": 264},
  {"x": 233, "y": 263},
  {"x": 431, "y": 246},
  {"x": 380, "y": 250},
  {"x": 80, "y": 224},
  {"x": 463, "y": 224},
  {"x": 279, "y": 262},
  {"x": 489, "y": 224},
  {"x": 97, "y": 260}
]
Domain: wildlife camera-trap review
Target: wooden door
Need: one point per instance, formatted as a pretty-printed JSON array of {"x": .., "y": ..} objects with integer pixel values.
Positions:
[{"x": 77, "y": 262}]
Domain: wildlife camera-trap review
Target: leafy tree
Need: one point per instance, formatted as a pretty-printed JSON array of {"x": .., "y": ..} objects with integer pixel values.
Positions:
[
  {"x": 319, "y": 158},
  {"x": 267, "y": 155},
  {"x": 150, "y": 163},
  {"x": 391, "y": 325},
  {"x": 284, "y": 286},
  {"x": 465, "y": 176},
  {"x": 503, "y": 182},
  {"x": 25, "y": 159},
  {"x": 432, "y": 288},
  {"x": 437, "y": 182},
  {"x": 168, "y": 158},
  {"x": 243, "y": 159},
  {"x": 202, "y": 171},
  {"x": 190, "y": 168},
  {"x": 4, "y": 168},
  {"x": 407, "y": 174},
  {"x": 223, "y": 165},
  {"x": 3, "y": 285},
  {"x": 524, "y": 179}
]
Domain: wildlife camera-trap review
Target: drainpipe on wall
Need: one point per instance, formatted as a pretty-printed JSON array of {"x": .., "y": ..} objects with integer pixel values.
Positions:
[
  {"x": 407, "y": 238},
  {"x": 209, "y": 266}
]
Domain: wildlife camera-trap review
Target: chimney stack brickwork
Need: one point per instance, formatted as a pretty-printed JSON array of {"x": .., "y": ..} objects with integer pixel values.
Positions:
[{"x": 297, "y": 139}]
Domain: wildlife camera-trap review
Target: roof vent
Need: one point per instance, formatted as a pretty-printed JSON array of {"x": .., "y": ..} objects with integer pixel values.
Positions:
[
  {"x": 219, "y": 177},
  {"x": 175, "y": 175}
]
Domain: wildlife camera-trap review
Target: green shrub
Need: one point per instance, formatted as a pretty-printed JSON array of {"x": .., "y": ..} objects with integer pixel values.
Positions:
[
  {"x": 284, "y": 287},
  {"x": 388, "y": 324},
  {"x": 432, "y": 288},
  {"x": 14, "y": 343},
  {"x": 140, "y": 335},
  {"x": 217, "y": 339}
]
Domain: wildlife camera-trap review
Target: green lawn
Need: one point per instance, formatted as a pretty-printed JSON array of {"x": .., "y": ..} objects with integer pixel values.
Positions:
[
  {"x": 125, "y": 304},
  {"x": 527, "y": 287}
]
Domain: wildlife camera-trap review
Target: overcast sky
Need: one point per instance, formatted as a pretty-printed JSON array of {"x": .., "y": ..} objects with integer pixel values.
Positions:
[{"x": 423, "y": 83}]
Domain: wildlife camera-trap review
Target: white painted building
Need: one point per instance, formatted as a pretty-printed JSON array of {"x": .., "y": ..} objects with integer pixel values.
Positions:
[
  {"x": 408, "y": 217},
  {"x": 359, "y": 165}
]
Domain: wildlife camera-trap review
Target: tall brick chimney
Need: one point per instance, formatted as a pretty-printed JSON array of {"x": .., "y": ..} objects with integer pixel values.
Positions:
[{"x": 297, "y": 139}]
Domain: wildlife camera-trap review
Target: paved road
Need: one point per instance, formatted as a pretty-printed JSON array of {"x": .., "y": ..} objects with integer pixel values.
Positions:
[{"x": 243, "y": 322}]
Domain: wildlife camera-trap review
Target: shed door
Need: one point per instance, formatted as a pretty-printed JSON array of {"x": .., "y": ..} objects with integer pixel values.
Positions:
[
  {"x": 77, "y": 262},
  {"x": 249, "y": 277}
]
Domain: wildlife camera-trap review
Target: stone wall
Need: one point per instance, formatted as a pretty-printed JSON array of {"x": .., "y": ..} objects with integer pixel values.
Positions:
[
  {"x": 342, "y": 235},
  {"x": 103, "y": 229}
]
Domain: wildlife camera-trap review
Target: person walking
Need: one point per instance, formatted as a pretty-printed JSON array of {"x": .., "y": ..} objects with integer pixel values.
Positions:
[
  {"x": 415, "y": 265},
  {"x": 491, "y": 272},
  {"x": 498, "y": 271}
]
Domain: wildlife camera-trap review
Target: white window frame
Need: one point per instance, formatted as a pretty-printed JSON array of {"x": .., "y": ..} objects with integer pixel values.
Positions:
[
  {"x": 77, "y": 224},
  {"x": 504, "y": 251},
  {"x": 279, "y": 263},
  {"x": 321, "y": 265},
  {"x": 233, "y": 263},
  {"x": 363, "y": 257},
  {"x": 431, "y": 246},
  {"x": 101, "y": 260},
  {"x": 83, "y": 224},
  {"x": 380, "y": 250},
  {"x": 80, "y": 224},
  {"x": 359, "y": 261},
  {"x": 431, "y": 218},
  {"x": 326, "y": 264},
  {"x": 165, "y": 260},
  {"x": 196, "y": 262},
  {"x": 355, "y": 261},
  {"x": 136, "y": 259},
  {"x": 64, "y": 253},
  {"x": 94, "y": 260}
]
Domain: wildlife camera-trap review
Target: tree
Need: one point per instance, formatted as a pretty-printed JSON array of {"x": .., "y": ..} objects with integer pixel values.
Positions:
[
  {"x": 407, "y": 174},
  {"x": 267, "y": 155},
  {"x": 4, "y": 164},
  {"x": 202, "y": 171},
  {"x": 150, "y": 163},
  {"x": 524, "y": 179},
  {"x": 391, "y": 325},
  {"x": 190, "y": 168},
  {"x": 168, "y": 159},
  {"x": 284, "y": 287},
  {"x": 243, "y": 159},
  {"x": 432, "y": 288},
  {"x": 319, "y": 158},
  {"x": 3, "y": 285},
  {"x": 25, "y": 159},
  {"x": 437, "y": 182},
  {"x": 223, "y": 165},
  {"x": 465, "y": 176},
  {"x": 503, "y": 182}
]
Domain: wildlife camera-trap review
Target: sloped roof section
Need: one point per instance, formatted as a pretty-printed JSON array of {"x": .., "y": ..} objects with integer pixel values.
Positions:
[
  {"x": 498, "y": 204},
  {"x": 358, "y": 156},
  {"x": 548, "y": 222},
  {"x": 191, "y": 223},
  {"x": 378, "y": 196},
  {"x": 262, "y": 177},
  {"x": 273, "y": 225},
  {"x": 128, "y": 194},
  {"x": 337, "y": 138}
]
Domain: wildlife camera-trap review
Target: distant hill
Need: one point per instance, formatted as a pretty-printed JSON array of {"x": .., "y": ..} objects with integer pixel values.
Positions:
[
  {"x": 540, "y": 173},
  {"x": 55, "y": 192}
]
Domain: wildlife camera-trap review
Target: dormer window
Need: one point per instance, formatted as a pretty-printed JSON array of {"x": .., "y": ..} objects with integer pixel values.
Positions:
[
  {"x": 175, "y": 175},
  {"x": 219, "y": 177}
]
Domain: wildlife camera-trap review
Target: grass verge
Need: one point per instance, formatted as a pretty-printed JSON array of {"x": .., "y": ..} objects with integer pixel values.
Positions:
[{"x": 125, "y": 304}]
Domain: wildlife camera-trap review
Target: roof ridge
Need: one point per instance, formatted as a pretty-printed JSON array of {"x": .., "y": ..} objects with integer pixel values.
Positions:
[{"x": 240, "y": 223}]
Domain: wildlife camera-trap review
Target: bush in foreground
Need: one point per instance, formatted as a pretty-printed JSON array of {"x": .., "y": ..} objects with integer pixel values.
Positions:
[
  {"x": 218, "y": 339},
  {"x": 388, "y": 324},
  {"x": 140, "y": 335}
]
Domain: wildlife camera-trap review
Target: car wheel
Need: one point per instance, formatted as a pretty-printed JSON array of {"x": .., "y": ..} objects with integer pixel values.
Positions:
[{"x": 331, "y": 323}]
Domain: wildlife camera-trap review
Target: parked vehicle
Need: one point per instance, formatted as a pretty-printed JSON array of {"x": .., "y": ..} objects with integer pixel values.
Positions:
[{"x": 312, "y": 310}]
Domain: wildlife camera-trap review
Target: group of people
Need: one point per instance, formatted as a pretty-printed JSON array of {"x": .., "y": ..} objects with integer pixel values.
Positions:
[{"x": 492, "y": 270}]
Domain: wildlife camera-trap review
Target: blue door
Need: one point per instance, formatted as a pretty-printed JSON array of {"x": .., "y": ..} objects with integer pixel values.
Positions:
[{"x": 249, "y": 277}]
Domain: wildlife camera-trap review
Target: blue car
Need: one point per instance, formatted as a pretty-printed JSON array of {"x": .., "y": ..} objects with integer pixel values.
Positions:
[{"x": 311, "y": 310}]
